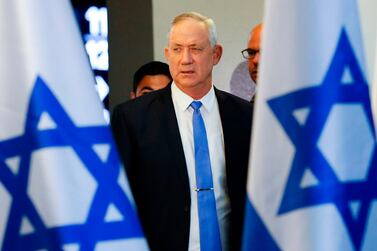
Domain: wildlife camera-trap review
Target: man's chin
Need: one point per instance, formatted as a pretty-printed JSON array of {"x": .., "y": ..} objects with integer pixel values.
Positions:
[{"x": 185, "y": 84}]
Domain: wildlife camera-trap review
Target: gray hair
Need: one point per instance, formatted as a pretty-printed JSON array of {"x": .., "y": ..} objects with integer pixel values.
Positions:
[{"x": 209, "y": 23}]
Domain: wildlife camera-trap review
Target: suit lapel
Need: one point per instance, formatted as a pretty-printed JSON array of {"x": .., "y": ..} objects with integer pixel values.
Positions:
[
  {"x": 173, "y": 135},
  {"x": 231, "y": 135}
]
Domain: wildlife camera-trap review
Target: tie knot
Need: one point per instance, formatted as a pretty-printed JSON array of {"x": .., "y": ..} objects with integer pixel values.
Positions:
[{"x": 196, "y": 105}]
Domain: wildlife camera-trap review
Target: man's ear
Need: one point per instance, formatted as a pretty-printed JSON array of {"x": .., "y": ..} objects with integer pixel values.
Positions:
[
  {"x": 132, "y": 95},
  {"x": 217, "y": 53},
  {"x": 166, "y": 53}
]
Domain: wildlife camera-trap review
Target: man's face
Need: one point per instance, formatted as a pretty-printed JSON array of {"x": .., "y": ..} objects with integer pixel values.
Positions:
[
  {"x": 254, "y": 44},
  {"x": 191, "y": 57},
  {"x": 150, "y": 83}
]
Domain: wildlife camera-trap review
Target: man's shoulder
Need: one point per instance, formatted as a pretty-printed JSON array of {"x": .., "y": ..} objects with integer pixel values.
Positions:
[
  {"x": 224, "y": 97},
  {"x": 144, "y": 102}
]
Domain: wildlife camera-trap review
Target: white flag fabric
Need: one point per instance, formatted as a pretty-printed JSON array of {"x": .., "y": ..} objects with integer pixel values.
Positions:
[
  {"x": 61, "y": 182},
  {"x": 374, "y": 86},
  {"x": 312, "y": 182}
]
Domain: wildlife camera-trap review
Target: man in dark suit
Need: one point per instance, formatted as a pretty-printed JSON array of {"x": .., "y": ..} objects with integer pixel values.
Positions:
[{"x": 154, "y": 134}]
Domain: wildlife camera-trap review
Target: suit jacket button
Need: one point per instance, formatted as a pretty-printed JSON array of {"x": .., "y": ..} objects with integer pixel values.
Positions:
[{"x": 186, "y": 209}]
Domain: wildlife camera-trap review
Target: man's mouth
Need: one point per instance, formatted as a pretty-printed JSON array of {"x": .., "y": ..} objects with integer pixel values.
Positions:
[{"x": 187, "y": 72}]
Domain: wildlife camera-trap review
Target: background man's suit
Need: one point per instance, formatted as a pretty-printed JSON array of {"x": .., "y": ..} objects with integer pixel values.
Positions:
[{"x": 147, "y": 134}]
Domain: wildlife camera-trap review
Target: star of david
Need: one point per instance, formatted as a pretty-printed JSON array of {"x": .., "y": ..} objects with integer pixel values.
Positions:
[
  {"x": 105, "y": 172},
  {"x": 308, "y": 156}
]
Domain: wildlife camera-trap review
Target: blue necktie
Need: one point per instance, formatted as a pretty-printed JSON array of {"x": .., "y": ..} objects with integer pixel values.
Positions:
[{"x": 208, "y": 224}]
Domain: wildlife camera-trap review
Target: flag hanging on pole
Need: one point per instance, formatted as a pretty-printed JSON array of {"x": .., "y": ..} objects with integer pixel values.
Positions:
[
  {"x": 61, "y": 182},
  {"x": 312, "y": 182},
  {"x": 374, "y": 86}
]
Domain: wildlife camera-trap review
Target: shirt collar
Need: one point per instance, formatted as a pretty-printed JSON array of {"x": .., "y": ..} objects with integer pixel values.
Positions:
[{"x": 183, "y": 100}]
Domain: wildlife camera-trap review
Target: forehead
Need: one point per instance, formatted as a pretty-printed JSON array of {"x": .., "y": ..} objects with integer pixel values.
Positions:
[
  {"x": 189, "y": 31},
  {"x": 153, "y": 81},
  {"x": 255, "y": 38}
]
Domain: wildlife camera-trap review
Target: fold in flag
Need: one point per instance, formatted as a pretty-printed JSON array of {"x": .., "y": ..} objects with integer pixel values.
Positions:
[
  {"x": 312, "y": 183},
  {"x": 61, "y": 182},
  {"x": 374, "y": 86}
]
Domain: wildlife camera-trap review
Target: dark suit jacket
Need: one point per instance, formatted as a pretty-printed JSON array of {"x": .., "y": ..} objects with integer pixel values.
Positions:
[{"x": 147, "y": 135}]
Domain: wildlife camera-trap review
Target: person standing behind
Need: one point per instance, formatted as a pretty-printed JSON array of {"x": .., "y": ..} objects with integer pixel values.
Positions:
[
  {"x": 241, "y": 83},
  {"x": 245, "y": 76},
  {"x": 252, "y": 52},
  {"x": 185, "y": 148},
  {"x": 149, "y": 77}
]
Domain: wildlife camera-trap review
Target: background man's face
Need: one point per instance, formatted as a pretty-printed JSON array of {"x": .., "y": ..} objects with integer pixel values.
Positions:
[
  {"x": 254, "y": 44},
  {"x": 150, "y": 83}
]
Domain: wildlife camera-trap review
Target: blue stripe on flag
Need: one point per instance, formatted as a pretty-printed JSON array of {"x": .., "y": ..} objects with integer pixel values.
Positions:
[{"x": 256, "y": 235}]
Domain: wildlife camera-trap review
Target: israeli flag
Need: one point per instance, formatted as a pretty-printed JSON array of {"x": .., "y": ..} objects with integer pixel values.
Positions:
[
  {"x": 312, "y": 183},
  {"x": 374, "y": 86},
  {"x": 61, "y": 182}
]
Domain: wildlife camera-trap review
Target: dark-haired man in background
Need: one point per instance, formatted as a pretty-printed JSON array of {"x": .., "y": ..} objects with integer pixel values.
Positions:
[{"x": 149, "y": 77}]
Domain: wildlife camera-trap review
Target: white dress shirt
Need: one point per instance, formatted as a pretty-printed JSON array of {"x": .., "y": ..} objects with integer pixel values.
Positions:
[{"x": 212, "y": 121}]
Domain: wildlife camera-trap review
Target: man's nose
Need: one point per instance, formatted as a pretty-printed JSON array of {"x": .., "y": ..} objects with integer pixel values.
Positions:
[
  {"x": 256, "y": 58},
  {"x": 186, "y": 56}
]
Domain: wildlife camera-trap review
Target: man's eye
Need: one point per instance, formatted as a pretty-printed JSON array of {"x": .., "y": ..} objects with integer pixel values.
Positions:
[
  {"x": 252, "y": 53},
  {"x": 177, "y": 49},
  {"x": 196, "y": 49}
]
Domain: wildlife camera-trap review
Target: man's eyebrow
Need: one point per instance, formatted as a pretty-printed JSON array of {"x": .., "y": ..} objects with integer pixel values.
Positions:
[{"x": 189, "y": 45}]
